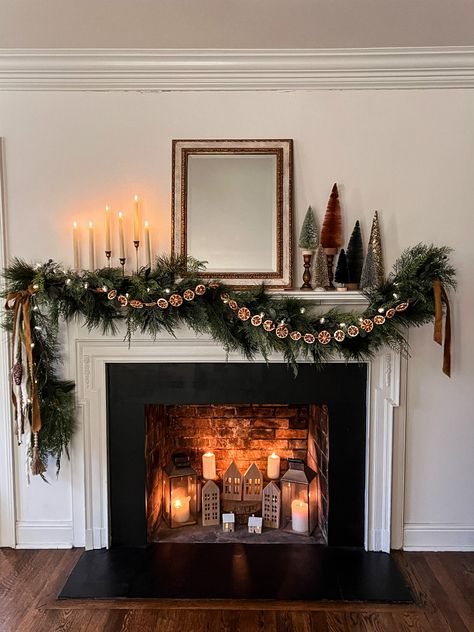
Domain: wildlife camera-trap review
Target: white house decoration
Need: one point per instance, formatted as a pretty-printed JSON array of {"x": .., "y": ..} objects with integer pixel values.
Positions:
[
  {"x": 210, "y": 504},
  {"x": 253, "y": 483},
  {"x": 228, "y": 522},
  {"x": 232, "y": 483},
  {"x": 271, "y": 506},
  {"x": 255, "y": 524}
]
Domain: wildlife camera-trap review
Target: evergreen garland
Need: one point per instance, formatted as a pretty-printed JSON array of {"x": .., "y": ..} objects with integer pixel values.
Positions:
[{"x": 104, "y": 298}]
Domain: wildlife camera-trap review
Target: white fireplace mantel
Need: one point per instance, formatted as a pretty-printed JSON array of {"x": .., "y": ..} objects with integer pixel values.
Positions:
[{"x": 89, "y": 353}]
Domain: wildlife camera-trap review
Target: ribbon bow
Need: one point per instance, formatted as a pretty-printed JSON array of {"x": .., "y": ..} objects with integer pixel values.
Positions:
[
  {"x": 441, "y": 297},
  {"x": 24, "y": 386}
]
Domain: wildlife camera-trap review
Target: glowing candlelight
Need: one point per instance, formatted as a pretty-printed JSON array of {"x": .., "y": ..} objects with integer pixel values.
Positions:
[
  {"x": 108, "y": 240},
  {"x": 121, "y": 237},
  {"x": 91, "y": 247},
  {"x": 147, "y": 245},
  {"x": 209, "y": 466},
  {"x": 181, "y": 509},
  {"x": 299, "y": 516},
  {"x": 136, "y": 220},
  {"x": 273, "y": 466},
  {"x": 75, "y": 245}
]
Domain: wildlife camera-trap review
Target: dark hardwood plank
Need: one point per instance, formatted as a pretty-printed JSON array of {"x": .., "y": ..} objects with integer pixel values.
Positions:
[{"x": 443, "y": 585}]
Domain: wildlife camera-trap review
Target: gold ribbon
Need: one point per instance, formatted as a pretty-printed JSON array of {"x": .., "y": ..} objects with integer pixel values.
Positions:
[
  {"x": 441, "y": 297},
  {"x": 20, "y": 303}
]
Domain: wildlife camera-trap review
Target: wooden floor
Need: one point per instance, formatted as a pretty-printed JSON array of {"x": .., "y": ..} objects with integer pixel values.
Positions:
[{"x": 443, "y": 584}]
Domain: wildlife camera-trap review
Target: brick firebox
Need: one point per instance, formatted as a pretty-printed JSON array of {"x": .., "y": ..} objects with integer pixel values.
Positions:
[{"x": 244, "y": 433}]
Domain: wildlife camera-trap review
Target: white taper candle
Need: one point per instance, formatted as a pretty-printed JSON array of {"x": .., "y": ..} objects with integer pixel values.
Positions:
[
  {"x": 75, "y": 246},
  {"x": 91, "y": 247}
]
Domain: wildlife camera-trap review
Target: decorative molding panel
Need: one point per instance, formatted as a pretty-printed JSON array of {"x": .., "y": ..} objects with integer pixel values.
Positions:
[
  {"x": 7, "y": 485},
  {"x": 49, "y": 534},
  {"x": 438, "y": 537},
  {"x": 236, "y": 69},
  {"x": 90, "y": 480}
]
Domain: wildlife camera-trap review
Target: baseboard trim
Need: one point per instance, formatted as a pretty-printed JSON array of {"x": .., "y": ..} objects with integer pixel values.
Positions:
[
  {"x": 53, "y": 534},
  {"x": 438, "y": 537},
  {"x": 237, "y": 69}
]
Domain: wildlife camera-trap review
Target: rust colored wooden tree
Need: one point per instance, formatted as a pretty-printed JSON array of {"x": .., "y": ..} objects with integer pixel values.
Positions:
[{"x": 331, "y": 232}]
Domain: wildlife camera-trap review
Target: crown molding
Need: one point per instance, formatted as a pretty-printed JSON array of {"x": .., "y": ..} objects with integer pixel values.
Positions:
[{"x": 236, "y": 69}]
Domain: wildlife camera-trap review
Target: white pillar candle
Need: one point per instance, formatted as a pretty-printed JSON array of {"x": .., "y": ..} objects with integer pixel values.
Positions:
[
  {"x": 299, "y": 516},
  {"x": 136, "y": 220},
  {"x": 209, "y": 466},
  {"x": 75, "y": 245},
  {"x": 180, "y": 510},
  {"x": 147, "y": 245},
  {"x": 91, "y": 247},
  {"x": 121, "y": 237},
  {"x": 108, "y": 240},
  {"x": 273, "y": 466}
]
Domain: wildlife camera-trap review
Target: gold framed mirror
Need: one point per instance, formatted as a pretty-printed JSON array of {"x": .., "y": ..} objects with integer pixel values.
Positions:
[{"x": 232, "y": 207}]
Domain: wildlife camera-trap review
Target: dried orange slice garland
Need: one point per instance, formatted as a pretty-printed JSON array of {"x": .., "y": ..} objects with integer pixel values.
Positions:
[{"x": 280, "y": 329}]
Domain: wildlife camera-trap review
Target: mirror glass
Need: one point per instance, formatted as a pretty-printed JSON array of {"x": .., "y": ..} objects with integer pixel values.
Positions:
[{"x": 231, "y": 211}]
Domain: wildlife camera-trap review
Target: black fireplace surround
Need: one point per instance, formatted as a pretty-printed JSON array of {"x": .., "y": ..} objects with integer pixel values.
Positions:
[
  {"x": 341, "y": 387},
  {"x": 130, "y": 568}
]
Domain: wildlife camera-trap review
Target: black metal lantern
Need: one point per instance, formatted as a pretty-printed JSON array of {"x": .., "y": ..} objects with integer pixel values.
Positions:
[
  {"x": 299, "y": 498},
  {"x": 179, "y": 492}
]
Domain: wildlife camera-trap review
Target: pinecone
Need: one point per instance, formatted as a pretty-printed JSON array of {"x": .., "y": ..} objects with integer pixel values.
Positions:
[{"x": 17, "y": 372}]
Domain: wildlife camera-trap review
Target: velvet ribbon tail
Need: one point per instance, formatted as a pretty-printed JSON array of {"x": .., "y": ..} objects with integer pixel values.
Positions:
[
  {"x": 20, "y": 303},
  {"x": 440, "y": 298}
]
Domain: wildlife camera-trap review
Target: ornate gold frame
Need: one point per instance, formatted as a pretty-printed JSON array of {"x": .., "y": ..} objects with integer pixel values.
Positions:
[{"x": 281, "y": 278}]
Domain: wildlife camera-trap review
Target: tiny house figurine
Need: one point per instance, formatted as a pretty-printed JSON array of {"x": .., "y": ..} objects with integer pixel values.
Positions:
[
  {"x": 253, "y": 483},
  {"x": 179, "y": 491},
  {"x": 271, "y": 506},
  {"x": 210, "y": 504},
  {"x": 228, "y": 522},
  {"x": 299, "y": 494},
  {"x": 232, "y": 483},
  {"x": 255, "y": 524}
]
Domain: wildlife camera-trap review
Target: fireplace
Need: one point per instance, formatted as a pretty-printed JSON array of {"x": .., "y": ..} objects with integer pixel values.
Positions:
[
  {"x": 242, "y": 412},
  {"x": 122, "y": 390}
]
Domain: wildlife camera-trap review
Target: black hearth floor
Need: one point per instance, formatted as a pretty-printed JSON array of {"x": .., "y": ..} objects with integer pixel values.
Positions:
[{"x": 237, "y": 571}]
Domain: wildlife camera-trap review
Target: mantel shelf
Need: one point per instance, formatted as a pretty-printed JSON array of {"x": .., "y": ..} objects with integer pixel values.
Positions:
[{"x": 331, "y": 298}]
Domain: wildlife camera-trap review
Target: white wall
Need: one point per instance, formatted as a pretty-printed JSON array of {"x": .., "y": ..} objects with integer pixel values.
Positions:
[{"x": 406, "y": 153}]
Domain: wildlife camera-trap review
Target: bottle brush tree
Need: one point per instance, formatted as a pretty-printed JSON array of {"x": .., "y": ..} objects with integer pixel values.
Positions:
[
  {"x": 342, "y": 269},
  {"x": 321, "y": 276},
  {"x": 309, "y": 235},
  {"x": 375, "y": 242},
  {"x": 331, "y": 232},
  {"x": 369, "y": 275},
  {"x": 355, "y": 255}
]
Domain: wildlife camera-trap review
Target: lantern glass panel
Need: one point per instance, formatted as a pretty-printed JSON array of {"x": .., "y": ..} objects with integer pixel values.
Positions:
[
  {"x": 291, "y": 492},
  {"x": 180, "y": 495}
]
